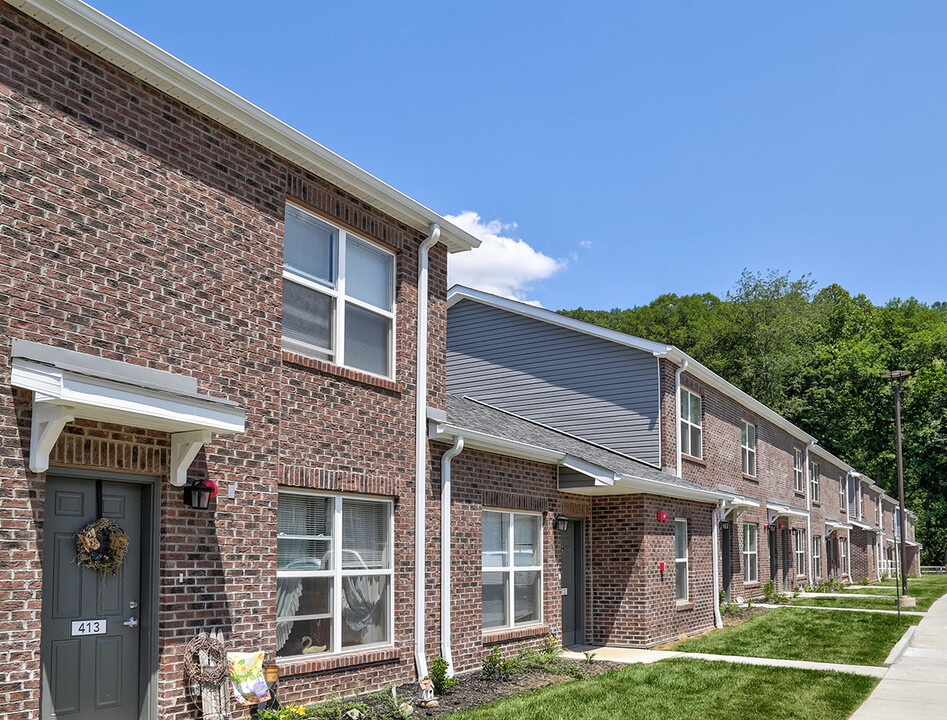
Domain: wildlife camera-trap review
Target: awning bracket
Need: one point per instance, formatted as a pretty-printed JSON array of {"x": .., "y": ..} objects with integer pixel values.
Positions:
[
  {"x": 48, "y": 422},
  {"x": 184, "y": 448}
]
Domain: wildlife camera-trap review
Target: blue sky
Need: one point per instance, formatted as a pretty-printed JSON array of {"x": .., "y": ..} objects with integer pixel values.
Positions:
[{"x": 612, "y": 152}]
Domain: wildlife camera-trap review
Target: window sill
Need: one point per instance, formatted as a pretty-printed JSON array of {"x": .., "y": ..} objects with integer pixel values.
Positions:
[
  {"x": 328, "y": 368},
  {"x": 751, "y": 478},
  {"x": 306, "y": 665},
  {"x": 694, "y": 460},
  {"x": 799, "y": 493},
  {"x": 684, "y": 605},
  {"x": 507, "y": 634},
  {"x": 751, "y": 584}
]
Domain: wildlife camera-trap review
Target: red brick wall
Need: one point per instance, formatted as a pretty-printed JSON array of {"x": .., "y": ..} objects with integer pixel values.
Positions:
[
  {"x": 137, "y": 229},
  {"x": 721, "y": 464}
]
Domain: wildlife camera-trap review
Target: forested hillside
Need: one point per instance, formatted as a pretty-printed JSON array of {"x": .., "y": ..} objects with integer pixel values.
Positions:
[{"x": 815, "y": 357}]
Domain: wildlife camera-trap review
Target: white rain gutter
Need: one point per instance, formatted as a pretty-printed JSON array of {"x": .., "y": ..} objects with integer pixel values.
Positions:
[
  {"x": 420, "y": 452},
  {"x": 677, "y": 404},
  {"x": 809, "y": 519},
  {"x": 715, "y": 518},
  {"x": 445, "y": 552}
]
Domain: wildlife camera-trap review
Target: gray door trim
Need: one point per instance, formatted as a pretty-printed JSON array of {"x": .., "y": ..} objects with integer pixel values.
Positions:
[{"x": 150, "y": 554}]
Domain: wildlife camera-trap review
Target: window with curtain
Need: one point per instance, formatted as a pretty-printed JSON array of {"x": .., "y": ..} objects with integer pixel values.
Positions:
[
  {"x": 338, "y": 294},
  {"x": 333, "y": 573},
  {"x": 680, "y": 558},
  {"x": 512, "y": 576},
  {"x": 750, "y": 556},
  {"x": 691, "y": 424}
]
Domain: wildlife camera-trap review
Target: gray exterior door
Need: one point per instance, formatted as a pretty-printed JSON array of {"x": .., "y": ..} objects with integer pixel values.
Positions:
[
  {"x": 89, "y": 676},
  {"x": 573, "y": 584}
]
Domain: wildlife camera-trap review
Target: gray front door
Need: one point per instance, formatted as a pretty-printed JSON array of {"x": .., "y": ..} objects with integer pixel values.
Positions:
[
  {"x": 573, "y": 585},
  {"x": 88, "y": 676}
]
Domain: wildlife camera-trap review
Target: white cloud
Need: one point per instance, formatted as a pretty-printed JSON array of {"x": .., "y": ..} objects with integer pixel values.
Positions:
[
  {"x": 502, "y": 265},
  {"x": 585, "y": 244}
]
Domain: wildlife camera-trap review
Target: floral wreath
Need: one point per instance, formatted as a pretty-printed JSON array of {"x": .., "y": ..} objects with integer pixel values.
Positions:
[{"x": 102, "y": 546}]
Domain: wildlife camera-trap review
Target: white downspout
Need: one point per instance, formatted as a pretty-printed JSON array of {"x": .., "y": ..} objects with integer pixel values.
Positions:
[
  {"x": 445, "y": 552},
  {"x": 677, "y": 404},
  {"x": 715, "y": 552},
  {"x": 420, "y": 453},
  {"x": 809, "y": 518}
]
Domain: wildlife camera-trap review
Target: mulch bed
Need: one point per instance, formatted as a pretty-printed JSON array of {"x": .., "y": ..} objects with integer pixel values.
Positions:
[{"x": 473, "y": 689}]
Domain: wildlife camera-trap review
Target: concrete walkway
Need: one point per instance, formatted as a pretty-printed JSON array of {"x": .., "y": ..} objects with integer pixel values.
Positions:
[
  {"x": 915, "y": 686},
  {"x": 630, "y": 656}
]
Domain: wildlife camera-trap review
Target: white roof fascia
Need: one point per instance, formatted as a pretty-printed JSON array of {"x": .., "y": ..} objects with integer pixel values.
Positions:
[
  {"x": 861, "y": 526},
  {"x": 701, "y": 372},
  {"x": 654, "y": 487},
  {"x": 461, "y": 292},
  {"x": 601, "y": 475},
  {"x": 491, "y": 443},
  {"x": 115, "y": 43},
  {"x": 835, "y": 525},
  {"x": 826, "y": 455},
  {"x": 777, "y": 510}
]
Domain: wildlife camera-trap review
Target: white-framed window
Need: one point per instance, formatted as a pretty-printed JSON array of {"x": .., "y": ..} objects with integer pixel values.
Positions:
[
  {"x": 338, "y": 295},
  {"x": 841, "y": 493},
  {"x": 750, "y": 555},
  {"x": 799, "y": 539},
  {"x": 680, "y": 558},
  {"x": 814, "y": 481},
  {"x": 843, "y": 555},
  {"x": 798, "y": 471},
  {"x": 512, "y": 552},
  {"x": 748, "y": 448},
  {"x": 333, "y": 573},
  {"x": 816, "y": 556},
  {"x": 692, "y": 440}
]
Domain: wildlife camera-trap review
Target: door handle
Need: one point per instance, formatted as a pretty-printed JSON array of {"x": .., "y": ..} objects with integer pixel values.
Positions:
[{"x": 131, "y": 622}]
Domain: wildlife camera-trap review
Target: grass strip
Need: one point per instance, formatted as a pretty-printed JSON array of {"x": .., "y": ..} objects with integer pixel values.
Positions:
[
  {"x": 881, "y": 602},
  {"x": 682, "y": 689},
  {"x": 797, "y": 634}
]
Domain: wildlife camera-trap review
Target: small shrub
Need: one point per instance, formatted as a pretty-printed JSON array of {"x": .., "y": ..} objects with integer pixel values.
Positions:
[
  {"x": 550, "y": 645},
  {"x": 589, "y": 657},
  {"x": 439, "y": 678},
  {"x": 497, "y": 666},
  {"x": 772, "y": 595}
]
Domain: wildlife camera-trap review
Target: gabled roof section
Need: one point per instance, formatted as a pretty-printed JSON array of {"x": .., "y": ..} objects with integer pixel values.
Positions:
[
  {"x": 838, "y": 462},
  {"x": 115, "y": 43},
  {"x": 459, "y": 292},
  {"x": 486, "y": 427}
]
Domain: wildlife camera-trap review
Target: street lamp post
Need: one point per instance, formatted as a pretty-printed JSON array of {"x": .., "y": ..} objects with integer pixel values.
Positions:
[{"x": 897, "y": 382}]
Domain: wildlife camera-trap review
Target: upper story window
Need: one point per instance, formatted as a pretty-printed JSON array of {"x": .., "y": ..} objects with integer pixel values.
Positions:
[
  {"x": 338, "y": 295},
  {"x": 798, "y": 471},
  {"x": 691, "y": 424},
  {"x": 748, "y": 447},
  {"x": 333, "y": 573},
  {"x": 841, "y": 493},
  {"x": 512, "y": 564},
  {"x": 852, "y": 496},
  {"x": 814, "y": 481}
]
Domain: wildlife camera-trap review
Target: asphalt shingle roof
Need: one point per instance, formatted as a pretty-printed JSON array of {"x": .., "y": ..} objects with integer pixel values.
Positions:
[{"x": 465, "y": 412}]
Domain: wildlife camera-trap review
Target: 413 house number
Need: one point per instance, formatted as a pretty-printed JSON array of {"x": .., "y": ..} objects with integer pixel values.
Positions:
[{"x": 88, "y": 627}]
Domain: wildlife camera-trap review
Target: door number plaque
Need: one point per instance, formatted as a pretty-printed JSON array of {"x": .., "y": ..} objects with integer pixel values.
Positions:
[{"x": 88, "y": 627}]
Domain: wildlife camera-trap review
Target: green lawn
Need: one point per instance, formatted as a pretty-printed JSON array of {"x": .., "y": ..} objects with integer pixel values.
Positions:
[
  {"x": 879, "y": 602},
  {"x": 818, "y": 635},
  {"x": 932, "y": 586},
  {"x": 682, "y": 689}
]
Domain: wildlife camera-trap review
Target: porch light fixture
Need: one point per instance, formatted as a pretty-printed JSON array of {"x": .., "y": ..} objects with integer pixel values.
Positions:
[
  {"x": 197, "y": 495},
  {"x": 562, "y": 523}
]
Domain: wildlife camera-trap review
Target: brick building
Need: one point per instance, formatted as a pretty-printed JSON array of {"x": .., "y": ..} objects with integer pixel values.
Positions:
[{"x": 193, "y": 293}]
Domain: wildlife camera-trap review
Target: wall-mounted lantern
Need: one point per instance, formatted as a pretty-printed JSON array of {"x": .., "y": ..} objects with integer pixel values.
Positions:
[
  {"x": 561, "y": 523},
  {"x": 197, "y": 495}
]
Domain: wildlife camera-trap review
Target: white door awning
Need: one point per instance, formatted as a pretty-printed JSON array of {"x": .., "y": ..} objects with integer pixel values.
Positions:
[{"x": 67, "y": 385}]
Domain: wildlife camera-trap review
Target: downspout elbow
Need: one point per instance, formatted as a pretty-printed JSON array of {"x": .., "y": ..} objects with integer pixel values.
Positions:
[
  {"x": 420, "y": 452},
  {"x": 445, "y": 552}
]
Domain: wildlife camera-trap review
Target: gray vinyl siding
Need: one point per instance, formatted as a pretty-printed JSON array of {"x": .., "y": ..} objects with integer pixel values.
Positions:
[{"x": 598, "y": 390}]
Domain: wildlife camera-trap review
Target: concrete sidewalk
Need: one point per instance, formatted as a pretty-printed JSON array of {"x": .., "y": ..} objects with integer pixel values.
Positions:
[
  {"x": 631, "y": 656},
  {"x": 915, "y": 687}
]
